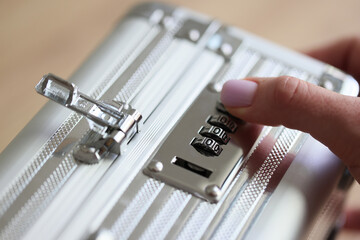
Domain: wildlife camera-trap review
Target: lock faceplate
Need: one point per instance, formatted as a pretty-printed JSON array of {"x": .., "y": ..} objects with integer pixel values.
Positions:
[{"x": 202, "y": 165}]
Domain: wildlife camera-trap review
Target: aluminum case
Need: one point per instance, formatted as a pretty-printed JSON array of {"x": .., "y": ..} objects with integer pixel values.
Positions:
[{"x": 169, "y": 63}]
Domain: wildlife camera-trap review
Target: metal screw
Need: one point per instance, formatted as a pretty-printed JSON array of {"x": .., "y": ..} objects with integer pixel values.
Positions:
[
  {"x": 226, "y": 49},
  {"x": 156, "y": 16},
  {"x": 329, "y": 85},
  {"x": 86, "y": 154},
  {"x": 155, "y": 166},
  {"x": 168, "y": 22},
  {"x": 213, "y": 191},
  {"x": 87, "y": 149},
  {"x": 194, "y": 35},
  {"x": 215, "y": 87},
  {"x": 103, "y": 234}
]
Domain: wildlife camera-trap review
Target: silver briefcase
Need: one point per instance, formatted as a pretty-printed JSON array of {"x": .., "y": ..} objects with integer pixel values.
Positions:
[{"x": 137, "y": 145}]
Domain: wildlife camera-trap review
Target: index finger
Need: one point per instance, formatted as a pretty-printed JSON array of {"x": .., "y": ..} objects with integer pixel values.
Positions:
[{"x": 343, "y": 54}]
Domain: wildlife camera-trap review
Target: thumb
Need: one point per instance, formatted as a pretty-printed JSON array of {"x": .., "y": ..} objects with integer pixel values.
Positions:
[{"x": 331, "y": 118}]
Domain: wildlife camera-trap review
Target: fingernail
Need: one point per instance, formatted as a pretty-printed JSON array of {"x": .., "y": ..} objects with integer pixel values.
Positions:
[{"x": 238, "y": 93}]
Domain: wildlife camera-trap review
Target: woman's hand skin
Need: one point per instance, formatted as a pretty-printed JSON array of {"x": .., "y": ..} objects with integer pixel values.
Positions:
[
  {"x": 343, "y": 54},
  {"x": 331, "y": 118}
]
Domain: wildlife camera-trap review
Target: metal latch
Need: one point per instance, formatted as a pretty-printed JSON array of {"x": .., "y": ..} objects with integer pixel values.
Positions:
[{"x": 111, "y": 124}]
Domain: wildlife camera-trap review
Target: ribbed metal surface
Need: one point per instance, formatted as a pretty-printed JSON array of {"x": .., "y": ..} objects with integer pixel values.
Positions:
[
  {"x": 198, "y": 225},
  {"x": 26, "y": 216},
  {"x": 250, "y": 197},
  {"x": 167, "y": 215},
  {"x": 329, "y": 214},
  {"x": 202, "y": 215},
  {"x": 153, "y": 210},
  {"x": 134, "y": 82},
  {"x": 198, "y": 221},
  {"x": 20, "y": 183},
  {"x": 15, "y": 226},
  {"x": 131, "y": 216}
]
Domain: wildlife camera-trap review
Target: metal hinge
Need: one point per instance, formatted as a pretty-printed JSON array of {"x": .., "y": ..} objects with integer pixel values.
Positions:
[{"x": 111, "y": 124}]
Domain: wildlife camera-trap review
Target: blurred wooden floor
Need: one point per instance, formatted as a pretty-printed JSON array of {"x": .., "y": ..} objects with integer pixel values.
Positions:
[{"x": 42, "y": 36}]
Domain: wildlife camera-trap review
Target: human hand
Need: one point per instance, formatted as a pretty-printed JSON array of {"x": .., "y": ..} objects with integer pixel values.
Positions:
[{"x": 331, "y": 118}]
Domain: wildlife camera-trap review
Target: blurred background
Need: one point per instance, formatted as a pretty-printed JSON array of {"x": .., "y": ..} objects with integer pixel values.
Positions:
[{"x": 41, "y": 36}]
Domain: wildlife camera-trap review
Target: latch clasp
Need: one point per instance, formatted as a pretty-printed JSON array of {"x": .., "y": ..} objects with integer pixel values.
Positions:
[{"x": 111, "y": 124}]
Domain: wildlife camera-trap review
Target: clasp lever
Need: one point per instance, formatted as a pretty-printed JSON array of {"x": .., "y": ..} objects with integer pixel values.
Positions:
[{"x": 111, "y": 124}]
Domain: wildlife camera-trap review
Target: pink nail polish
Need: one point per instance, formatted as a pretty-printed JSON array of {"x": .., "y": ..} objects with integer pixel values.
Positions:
[{"x": 238, "y": 93}]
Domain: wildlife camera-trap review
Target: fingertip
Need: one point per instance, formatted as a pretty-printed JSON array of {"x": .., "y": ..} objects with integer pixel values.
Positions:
[{"x": 238, "y": 93}]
